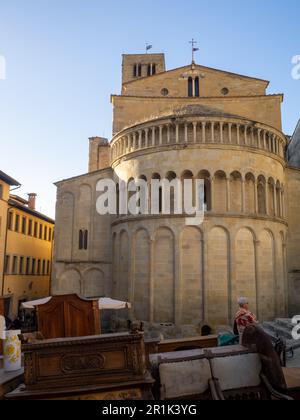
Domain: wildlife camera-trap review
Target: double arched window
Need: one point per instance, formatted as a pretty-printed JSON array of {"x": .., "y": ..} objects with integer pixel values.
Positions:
[
  {"x": 83, "y": 239},
  {"x": 137, "y": 70},
  {"x": 151, "y": 69},
  {"x": 193, "y": 87}
]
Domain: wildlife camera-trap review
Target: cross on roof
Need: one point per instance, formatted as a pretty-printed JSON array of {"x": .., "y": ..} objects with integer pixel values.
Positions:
[{"x": 194, "y": 49}]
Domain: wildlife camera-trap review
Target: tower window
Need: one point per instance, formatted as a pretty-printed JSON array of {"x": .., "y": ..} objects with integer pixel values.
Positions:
[
  {"x": 139, "y": 70},
  {"x": 151, "y": 69},
  {"x": 197, "y": 88},
  {"x": 135, "y": 72},
  {"x": 190, "y": 87}
]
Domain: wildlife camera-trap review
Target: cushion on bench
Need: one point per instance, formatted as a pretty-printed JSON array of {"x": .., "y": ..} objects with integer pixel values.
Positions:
[
  {"x": 185, "y": 378},
  {"x": 235, "y": 372}
]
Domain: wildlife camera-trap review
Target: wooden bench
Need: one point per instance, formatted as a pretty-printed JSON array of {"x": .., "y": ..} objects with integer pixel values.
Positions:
[{"x": 216, "y": 374}]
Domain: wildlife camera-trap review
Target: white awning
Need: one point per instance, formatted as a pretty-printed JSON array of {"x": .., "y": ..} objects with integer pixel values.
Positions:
[
  {"x": 34, "y": 303},
  {"x": 104, "y": 303},
  {"x": 107, "y": 303}
]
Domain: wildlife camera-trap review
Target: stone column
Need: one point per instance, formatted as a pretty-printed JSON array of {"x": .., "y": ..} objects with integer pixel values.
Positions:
[
  {"x": 195, "y": 131},
  {"x": 286, "y": 285},
  {"x": 185, "y": 133},
  {"x": 228, "y": 194},
  {"x": 252, "y": 136},
  {"x": 140, "y": 138},
  {"x": 160, "y": 135},
  {"x": 132, "y": 275},
  {"x": 177, "y": 133},
  {"x": 178, "y": 282},
  {"x": 153, "y": 136},
  {"x": 281, "y": 149},
  {"x": 275, "y": 200},
  {"x": 232, "y": 280},
  {"x": 151, "y": 294},
  {"x": 212, "y": 188},
  {"x": 256, "y": 253},
  {"x": 245, "y": 135},
  {"x": 238, "y": 134},
  {"x": 267, "y": 198},
  {"x": 265, "y": 140},
  {"x": 230, "y": 133},
  {"x": 282, "y": 203},
  {"x": 243, "y": 196},
  {"x": 212, "y": 132},
  {"x": 259, "y": 138},
  {"x": 147, "y": 137},
  {"x": 203, "y": 132},
  {"x": 256, "y": 196},
  {"x": 221, "y": 132},
  {"x": 205, "y": 276},
  {"x": 168, "y": 134}
]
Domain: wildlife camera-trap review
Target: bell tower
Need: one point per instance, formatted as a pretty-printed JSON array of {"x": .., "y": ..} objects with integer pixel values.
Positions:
[{"x": 136, "y": 66}]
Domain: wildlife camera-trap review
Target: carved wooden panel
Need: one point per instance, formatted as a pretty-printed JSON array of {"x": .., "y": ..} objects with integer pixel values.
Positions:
[
  {"x": 69, "y": 316},
  {"x": 98, "y": 360}
]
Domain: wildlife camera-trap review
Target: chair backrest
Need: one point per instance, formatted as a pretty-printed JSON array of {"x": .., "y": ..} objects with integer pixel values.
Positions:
[
  {"x": 237, "y": 371},
  {"x": 184, "y": 378},
  {"x": 256, "y": 339}
]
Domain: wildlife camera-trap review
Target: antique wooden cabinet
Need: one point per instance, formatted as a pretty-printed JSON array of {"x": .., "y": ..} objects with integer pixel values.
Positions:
[
  {"x": 100, "y": 367},
  {"x": 69, "y": 316}
]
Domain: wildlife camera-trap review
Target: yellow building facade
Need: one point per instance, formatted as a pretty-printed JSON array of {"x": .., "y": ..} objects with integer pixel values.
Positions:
[
  {"x": 6, "y": 182},
  {"x": 26, "y": 250}
]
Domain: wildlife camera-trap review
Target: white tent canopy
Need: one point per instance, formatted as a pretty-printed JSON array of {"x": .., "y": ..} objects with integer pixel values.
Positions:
[{"x": 104, "y": 303}]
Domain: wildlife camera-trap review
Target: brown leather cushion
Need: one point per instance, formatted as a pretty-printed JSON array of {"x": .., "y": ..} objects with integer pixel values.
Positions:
[
  {"x": 256, "y": 339},
  {"x": 292, "y": 378}
]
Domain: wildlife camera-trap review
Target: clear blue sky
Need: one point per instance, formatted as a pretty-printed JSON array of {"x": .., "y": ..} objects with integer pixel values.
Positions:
[{"x": 64, "y": 60}]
